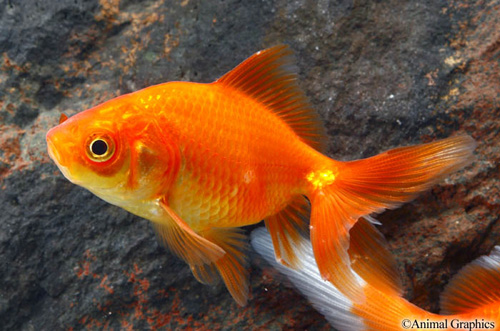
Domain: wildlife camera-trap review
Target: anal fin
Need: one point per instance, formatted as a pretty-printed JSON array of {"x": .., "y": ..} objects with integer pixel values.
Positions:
[{"x": 288, "y": 228}]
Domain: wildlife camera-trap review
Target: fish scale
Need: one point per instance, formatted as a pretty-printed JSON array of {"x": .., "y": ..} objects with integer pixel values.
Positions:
[{"x": 249, "y": 151}]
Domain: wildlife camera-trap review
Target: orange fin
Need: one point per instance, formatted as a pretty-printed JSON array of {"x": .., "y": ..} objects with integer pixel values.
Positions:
[
  {"x": 63, "y": 118},
  {"x": 371, "y": 259},
  {"x": 330, "y": 225},
  {"x": 185, "y": 243},
  {"x": 358, "y": 188},
  {"x": 218, "y": 249},
  {"x": 476, "y": 285},
  {"x": 288, "y": 228},
  {"x": 232, "y": 266},
  {"x": 266, "y": 77},
  {"x": 379, "y": 312},
  {"x": 205, "y": 273},
  {"x": 391, "y": 178}
]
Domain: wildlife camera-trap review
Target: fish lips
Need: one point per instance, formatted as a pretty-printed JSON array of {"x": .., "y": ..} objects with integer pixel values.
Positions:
[{"x": 54, "y": 143}]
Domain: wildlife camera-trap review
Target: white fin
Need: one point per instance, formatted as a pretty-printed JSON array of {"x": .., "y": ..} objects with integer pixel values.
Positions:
[
  {"x": 324, "y": 297},
  {"x": 372, "y": 220}
]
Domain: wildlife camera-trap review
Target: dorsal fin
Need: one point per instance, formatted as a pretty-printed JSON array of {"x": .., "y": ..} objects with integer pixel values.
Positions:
[
  {"x": 63, "y": 118},
  {"x": 475, "y": 286},
  {"x": 266, "y": 77}
]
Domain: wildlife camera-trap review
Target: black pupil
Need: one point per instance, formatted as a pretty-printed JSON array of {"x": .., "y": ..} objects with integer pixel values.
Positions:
[{"x": 99, "y": 147}]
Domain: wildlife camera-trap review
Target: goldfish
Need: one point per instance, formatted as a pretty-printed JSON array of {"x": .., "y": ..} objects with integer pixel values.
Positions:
[
  {"x": 470, "y": 301},
  {"x": 202, "y": 160}
]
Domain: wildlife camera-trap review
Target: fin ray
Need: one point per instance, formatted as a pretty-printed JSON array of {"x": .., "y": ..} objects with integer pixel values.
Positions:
[
  {"x": 288, "y": 229},
  {"x": 380, "y": 311},
  {"x": 371, "y": 185},
  {"x": 184, "y": 242},
  {"x": 389, "y": 179},
  {"x": 330, "y": 242},
  {"x": 221, "y": 249},
  {"x": 371, "y": 259},
  {"x": 205, "y": 273},
  {"x": 232, "y": 267},
  {"x": 476, "y": 285},
  {"x": 266, "y": 77},
  {"x": 325, "y": 298}
]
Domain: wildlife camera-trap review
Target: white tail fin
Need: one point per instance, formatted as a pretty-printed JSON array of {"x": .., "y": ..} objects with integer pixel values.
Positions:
[
  {"x": 474, "y": 291},
  {"x": 322, "y": 294}
]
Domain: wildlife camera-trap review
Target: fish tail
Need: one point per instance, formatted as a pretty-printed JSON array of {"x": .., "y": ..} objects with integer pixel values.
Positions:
[
  {"x": 475, "y": 287},
  {"x": 342, "y": 192},
  {"x": 380, "y": 311},
  {"x": 324, "y": 297}
]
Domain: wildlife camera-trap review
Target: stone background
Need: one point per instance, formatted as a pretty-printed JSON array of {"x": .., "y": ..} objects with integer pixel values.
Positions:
[{"x": 381, "y": 73}]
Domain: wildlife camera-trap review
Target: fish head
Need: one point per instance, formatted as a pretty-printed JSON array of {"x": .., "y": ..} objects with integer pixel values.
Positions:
[
  {"x": 114, "y": 151},
  {"x": 88, "y": 149}
]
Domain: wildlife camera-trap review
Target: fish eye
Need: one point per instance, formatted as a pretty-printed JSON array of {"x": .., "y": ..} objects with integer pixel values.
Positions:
[{"x": 100, "y": 148}]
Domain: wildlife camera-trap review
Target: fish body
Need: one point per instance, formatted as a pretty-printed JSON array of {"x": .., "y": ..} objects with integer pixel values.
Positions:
[
  {"x": 188, "y": 150},
  {"x": 240, "y": 163},
  {"x": 471, "y": 301},
  {"x": 201, "y": 160}
]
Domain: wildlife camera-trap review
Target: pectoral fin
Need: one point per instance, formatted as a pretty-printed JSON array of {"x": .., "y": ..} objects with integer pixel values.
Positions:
[
  {"x": 205, "y": 273},
  {"x": 220, "y": 249}
]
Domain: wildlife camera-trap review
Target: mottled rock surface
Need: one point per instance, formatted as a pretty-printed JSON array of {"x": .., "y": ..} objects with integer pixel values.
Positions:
[{"x": 381, "y": 73}]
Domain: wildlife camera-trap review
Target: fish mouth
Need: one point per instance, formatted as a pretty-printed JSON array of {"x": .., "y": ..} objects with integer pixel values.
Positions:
[
  {"x": 52, "y": 149},
  {"x": 53, "y": 153},
  {"x": 54, "y": 145},
  {"x": 58, "y": 159}
]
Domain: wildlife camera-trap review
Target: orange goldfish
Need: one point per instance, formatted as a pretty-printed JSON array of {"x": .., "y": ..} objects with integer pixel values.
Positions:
[
  {"x": 201, "y": 160},
  {"x": 471, "y": 300}
]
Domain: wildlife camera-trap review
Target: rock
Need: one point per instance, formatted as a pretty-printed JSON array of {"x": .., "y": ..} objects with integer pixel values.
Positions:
[{"x": 381, "y": 74}]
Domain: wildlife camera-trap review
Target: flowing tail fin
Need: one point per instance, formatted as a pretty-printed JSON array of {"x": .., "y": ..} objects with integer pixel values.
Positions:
[
  {"x": 474, "y": 292},
  {"x": 475, "y": 287},
  {"x": 343, "y": 193},
  {"x": 381, "y": 311},
  {"x": 324, "y": 297}
]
